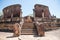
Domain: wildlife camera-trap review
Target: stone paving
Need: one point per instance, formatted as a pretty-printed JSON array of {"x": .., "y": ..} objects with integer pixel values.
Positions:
[{"x": 49, "y": 35}]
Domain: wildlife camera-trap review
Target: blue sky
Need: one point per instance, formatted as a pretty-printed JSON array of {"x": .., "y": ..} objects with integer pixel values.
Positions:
[{"x": 28, "y": 5}]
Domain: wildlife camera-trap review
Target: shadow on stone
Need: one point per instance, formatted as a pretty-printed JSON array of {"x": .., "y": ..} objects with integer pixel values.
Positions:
[{"x": 11, "y": 36}]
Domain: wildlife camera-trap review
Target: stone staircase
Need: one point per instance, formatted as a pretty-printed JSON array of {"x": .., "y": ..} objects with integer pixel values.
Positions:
[{"x": 29, "y": 29}]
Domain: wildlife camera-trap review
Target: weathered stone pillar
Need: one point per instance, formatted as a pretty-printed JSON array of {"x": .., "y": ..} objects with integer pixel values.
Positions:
[
  {"x": 16, "y": 29},
  {"x": 40, "y": 29}
]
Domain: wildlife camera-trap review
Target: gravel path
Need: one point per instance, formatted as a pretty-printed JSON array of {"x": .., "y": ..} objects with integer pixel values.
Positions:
[{"x": 49, "y": 35}]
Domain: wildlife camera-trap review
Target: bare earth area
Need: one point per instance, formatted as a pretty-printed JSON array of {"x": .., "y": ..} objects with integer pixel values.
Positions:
[{"x": 49, "y": 35}]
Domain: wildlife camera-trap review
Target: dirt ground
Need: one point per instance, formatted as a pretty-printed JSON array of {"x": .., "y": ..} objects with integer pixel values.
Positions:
[{"x": 49, "y": 35}]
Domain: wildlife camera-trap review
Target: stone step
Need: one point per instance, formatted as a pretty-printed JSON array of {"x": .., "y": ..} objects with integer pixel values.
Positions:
[
  {"x": 29, "y": 31},
  {"x": 28, "y": 25}
]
